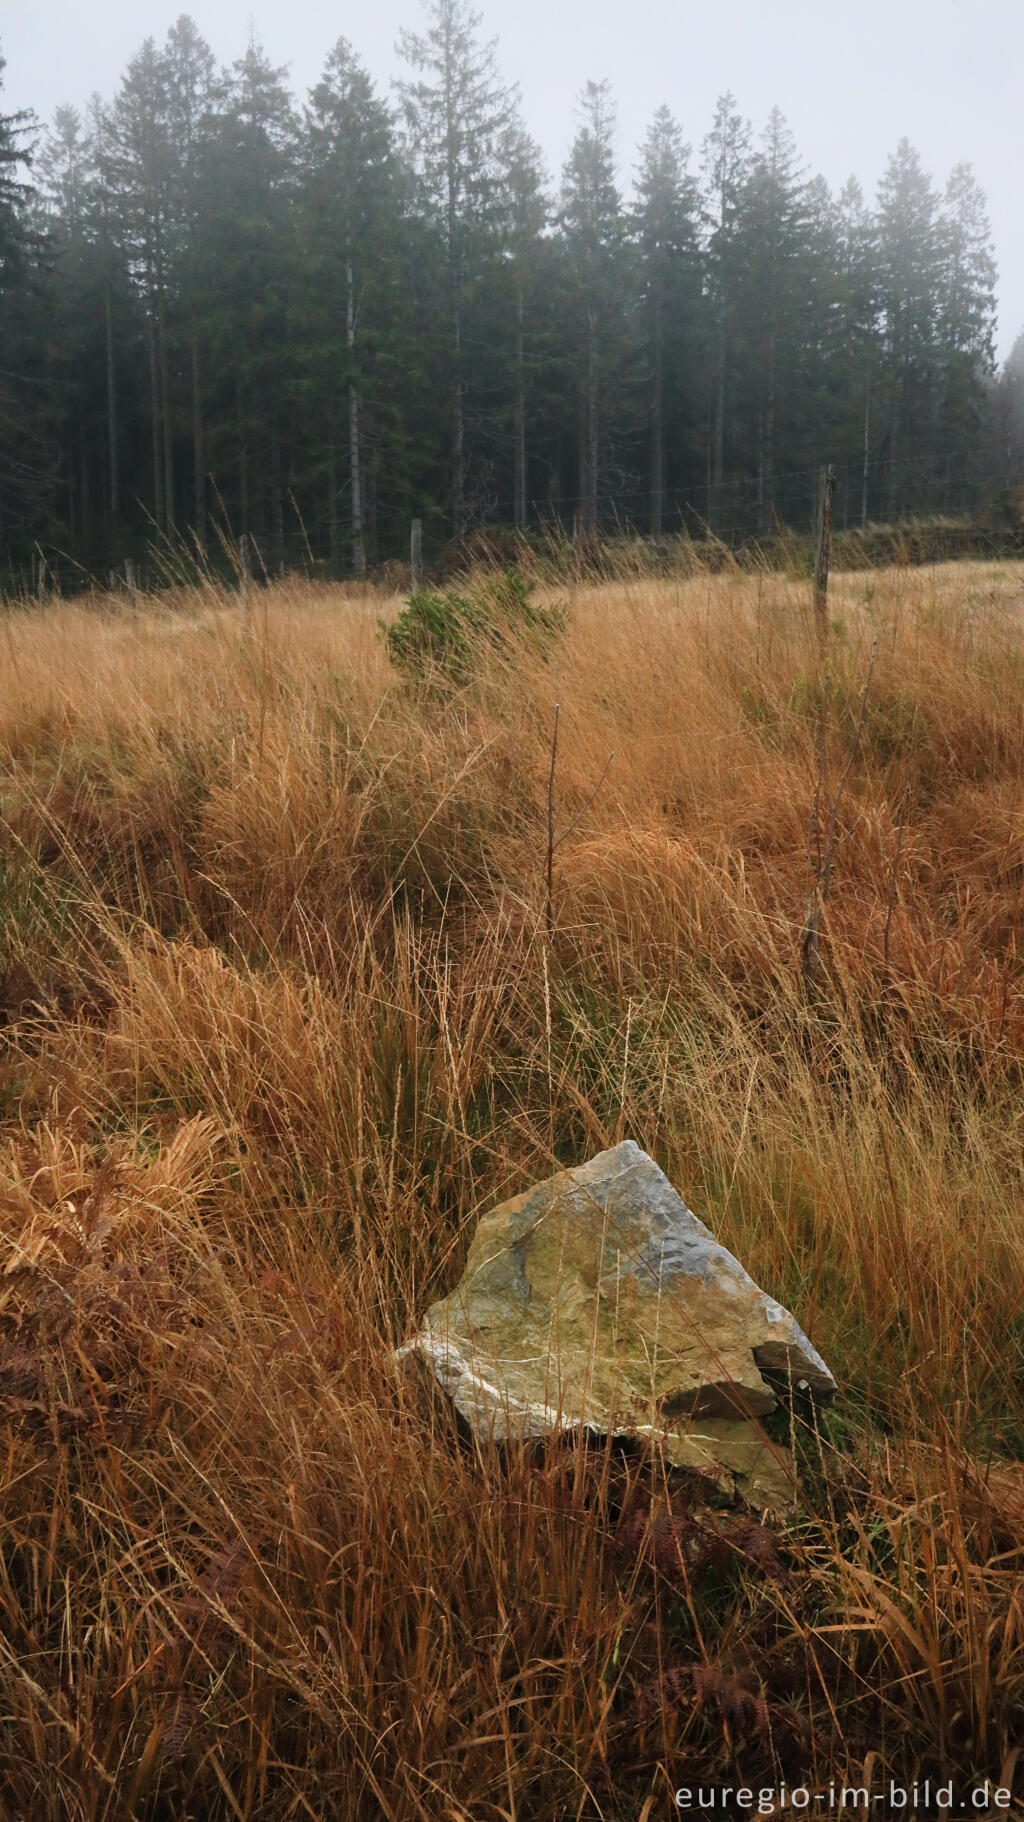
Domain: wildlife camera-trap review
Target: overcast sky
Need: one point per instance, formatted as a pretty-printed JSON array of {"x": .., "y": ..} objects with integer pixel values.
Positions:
[{"x": 851, "y": 80}]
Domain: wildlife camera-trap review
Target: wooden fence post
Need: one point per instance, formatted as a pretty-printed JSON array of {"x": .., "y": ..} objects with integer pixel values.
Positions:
[
  {"x": 416, "y": 553},
  {"x": 245, "y": 565},
  {"x": 823, "y": 558}
]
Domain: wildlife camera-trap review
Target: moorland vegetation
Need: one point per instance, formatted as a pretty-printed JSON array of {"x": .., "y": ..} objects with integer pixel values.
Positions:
[{"x": 283, "y": 1013}]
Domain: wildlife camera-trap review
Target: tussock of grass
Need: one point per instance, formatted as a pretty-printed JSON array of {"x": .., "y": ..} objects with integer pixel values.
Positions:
[{"x": 280, "y": 1019}]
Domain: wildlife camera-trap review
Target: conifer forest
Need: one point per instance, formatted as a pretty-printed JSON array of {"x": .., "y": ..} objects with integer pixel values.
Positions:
[{"x": 227, "y": 308}]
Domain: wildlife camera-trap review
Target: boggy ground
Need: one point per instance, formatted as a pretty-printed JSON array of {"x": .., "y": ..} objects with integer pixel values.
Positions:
[{"x": 281, "y": 1016}]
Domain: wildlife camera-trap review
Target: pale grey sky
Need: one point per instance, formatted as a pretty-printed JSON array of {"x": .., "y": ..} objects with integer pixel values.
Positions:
[{"x": 850, "y": 79}]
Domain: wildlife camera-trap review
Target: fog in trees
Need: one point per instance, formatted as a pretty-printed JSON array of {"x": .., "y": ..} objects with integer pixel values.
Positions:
[{"x": 226, "y": 308}]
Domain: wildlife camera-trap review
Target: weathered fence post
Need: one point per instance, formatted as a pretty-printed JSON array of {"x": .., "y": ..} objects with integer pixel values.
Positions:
[
  {"x": 416, "y": 553},
  {"x": 245, "y": 566},
  {"x": 823, "y": 558},
  {"x": 129, "y": 579}
]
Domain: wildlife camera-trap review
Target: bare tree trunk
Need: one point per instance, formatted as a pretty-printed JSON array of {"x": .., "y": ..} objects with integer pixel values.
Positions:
[
  {"x": 592, "y": 428},
  {"x": 455, "y": 304},
  {"x": 657, "y": 423},
  {"x": 867, "y": 449},
  {"x": 68, "y": 462},
  {"x": 243, "y": 462},
  {"x": 519, "y": 469},
  {"x": 355, "y": 467},
  {"x": 154, "y": 395},
  {"x": 894, "y": 490},
  {"x": 115, "y": 500},
  {"x": 84, "y": 464},
  {"x": 718, "y": 443},
  {"x": 332, "y": 494},
  {"x": 584, "y": 482},
  {"x": 165, "y": 404},
  {"x": 768, "y": 445},
  {"x": 198, "y": 453},
  {"x": 458, "y": 430},
  {"x": 371, "y": 504},
  {"x": 709, "y": 444},
  {"x": 277, "y": 503}
]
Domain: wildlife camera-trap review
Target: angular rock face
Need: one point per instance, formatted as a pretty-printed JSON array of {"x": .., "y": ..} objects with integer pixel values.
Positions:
[{"x": 597, "y": 1299}]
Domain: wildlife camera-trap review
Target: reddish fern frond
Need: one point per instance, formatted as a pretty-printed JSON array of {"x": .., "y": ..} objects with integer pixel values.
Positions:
[
  {"x": 755, "y": 1543},
  {"x": 177, "y": 1718},
  {"x": 744, "y": 1711}
]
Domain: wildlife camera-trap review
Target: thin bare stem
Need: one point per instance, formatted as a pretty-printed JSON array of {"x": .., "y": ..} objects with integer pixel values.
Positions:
[{"x": 550, "y": 919}]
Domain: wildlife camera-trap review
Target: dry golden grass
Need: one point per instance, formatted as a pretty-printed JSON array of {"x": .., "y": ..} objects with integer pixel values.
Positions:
[{"x": 280, "y": 1018}]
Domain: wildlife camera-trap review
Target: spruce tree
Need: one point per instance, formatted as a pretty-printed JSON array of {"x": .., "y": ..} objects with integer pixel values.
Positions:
[
  {"x": 853, "y": 348},
  {"x": 247, "y": 186},
  {"x": 593, "y": 228},
  {"x": 725, "y": 159},
  {"x": 26, "y": 453},
  {"x": 525, "y": 219},
  {"x": 142, "y": 176},
  {"x": 965, "y": 330},
  {"x": 190, "y": 75},
  {"x": 772, "y": 306},
  {"x": 910, "y": 277},
  {"x": 1008, "y": 415},
  {"x": 352, "y": 205},
  {"x": 457, "y": 115},
  {"x": 666, "y": 222}
]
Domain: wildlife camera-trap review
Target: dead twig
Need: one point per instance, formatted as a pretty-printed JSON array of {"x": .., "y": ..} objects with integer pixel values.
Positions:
[
  {"x": 894, "y": 882},
  {"x": 551, "y": 826},
  {"x": 554, "y": 843}
]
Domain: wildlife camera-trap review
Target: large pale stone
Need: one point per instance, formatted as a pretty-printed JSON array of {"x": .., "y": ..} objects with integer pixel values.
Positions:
[{"x": 597, "y": 1299}]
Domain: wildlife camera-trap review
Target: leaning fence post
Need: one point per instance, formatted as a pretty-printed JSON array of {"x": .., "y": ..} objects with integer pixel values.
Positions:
[
  {"x": 416, "y": 553},
  {"x": 824, "y": 557}
]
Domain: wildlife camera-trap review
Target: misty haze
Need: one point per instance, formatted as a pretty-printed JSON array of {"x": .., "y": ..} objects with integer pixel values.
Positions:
[
  {"x": 310, "y": 318},
  {"x": 511, "y": 884}
]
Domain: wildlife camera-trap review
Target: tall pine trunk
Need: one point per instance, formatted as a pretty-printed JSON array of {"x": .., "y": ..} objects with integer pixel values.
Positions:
[
  {"x": 718, "y": 434},
  {"x": 657, "y": 515},
  {"x": 332, "y": 490},
  {"x": 766, "y": 462},
  {"x": 355, "y": 466},
  {"x": 768, "y": 456},
  {"x": 277, "y": 501},
  {"x": 84, "y": 493},
  {"x": 458, "y": 427},
  {"x": 455, "y": 303},
  {"x": 198, "y": 454},
  {"x": 243, "y": 462},
  {"x": 894, "y": 455},
  {"x": 115, "y": 498},
  {"x": 159, "y": 513},
  {"x": 519, "y": 466},
  {"x": 867, "y": 458},
  {"x": 591, "y": 428},
  {"x": 165, "y": 407}
]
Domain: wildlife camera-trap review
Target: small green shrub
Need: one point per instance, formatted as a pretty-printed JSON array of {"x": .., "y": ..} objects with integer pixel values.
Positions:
[
  {"x": 437, "y": 632},
  {"x": 430, "y": 633}
]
